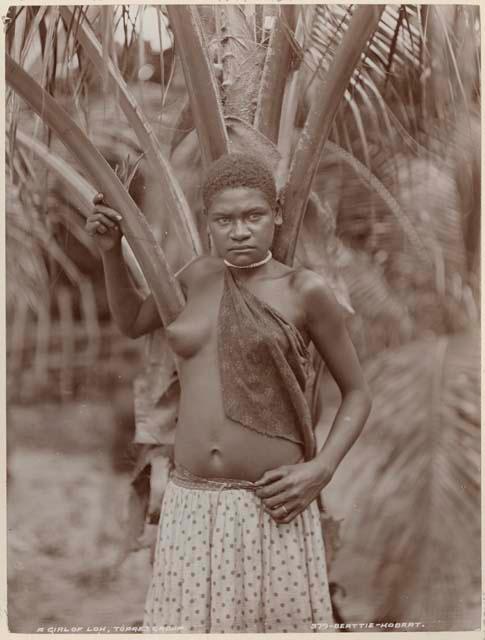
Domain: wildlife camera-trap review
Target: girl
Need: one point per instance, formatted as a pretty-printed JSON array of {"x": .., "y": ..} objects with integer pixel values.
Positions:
[{"x": 240, "y": 544}]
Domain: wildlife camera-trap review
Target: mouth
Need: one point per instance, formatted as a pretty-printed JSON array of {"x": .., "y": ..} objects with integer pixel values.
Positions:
[{"x": 241, "y": 249}]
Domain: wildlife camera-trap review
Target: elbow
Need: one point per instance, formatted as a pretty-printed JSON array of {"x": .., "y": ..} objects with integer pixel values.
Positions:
[{"x": 362, "y": 397}]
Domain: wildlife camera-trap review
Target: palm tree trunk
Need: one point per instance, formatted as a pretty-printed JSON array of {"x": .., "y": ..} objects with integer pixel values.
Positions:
[{"x": 275, "y": 74}]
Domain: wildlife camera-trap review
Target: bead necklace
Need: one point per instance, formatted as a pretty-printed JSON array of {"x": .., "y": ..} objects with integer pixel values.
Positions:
[{"x": 249, "y": 266}]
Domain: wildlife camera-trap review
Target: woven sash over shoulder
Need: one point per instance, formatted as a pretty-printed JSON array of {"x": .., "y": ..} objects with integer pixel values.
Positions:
[{"x": 264, "y": 364}]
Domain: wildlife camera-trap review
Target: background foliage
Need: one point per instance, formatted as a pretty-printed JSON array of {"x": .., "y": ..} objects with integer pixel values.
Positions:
[{"x": 392, "y": 221}]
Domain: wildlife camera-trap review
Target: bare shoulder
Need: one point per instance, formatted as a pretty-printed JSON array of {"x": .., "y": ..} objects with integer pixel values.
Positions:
[
  {"x": 198, "y": 269},
  {"x": 315, "y": 295}
]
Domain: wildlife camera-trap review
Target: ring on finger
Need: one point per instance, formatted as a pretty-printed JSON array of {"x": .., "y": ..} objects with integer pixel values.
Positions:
[{"x": 284, "y": 509}]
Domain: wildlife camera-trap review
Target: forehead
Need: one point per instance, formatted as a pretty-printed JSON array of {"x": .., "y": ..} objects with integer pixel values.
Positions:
[{"x": 234, "y": 199}]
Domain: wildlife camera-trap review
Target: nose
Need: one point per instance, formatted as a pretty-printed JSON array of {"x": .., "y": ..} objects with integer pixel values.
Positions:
[{"x": 239, "y": 231}]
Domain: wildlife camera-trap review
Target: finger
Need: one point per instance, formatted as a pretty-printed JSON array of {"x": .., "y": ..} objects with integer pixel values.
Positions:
[
  {"x": 291, "y": 516},
  {"x": 97, "y": 227},
  {"x": 280, "y": 498},
  {"x": 279, "y": 514},
  {"x": 272, "y": 489},
  {"x": 98, "y": 198},
  {"x": 104, "y": 219},
  {"x": 285, "y": 512},
  {"x": 110, "y": 213},
  {"x": 91, "y": 226},
  {"x": 271, "y": 476},
  {"x": 294, "y": 509}
]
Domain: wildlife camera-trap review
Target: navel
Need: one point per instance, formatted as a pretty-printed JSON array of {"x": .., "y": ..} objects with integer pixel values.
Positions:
[{"x": 215, "y": 455}]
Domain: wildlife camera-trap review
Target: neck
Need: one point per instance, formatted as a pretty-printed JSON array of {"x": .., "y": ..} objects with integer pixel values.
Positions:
[{"x": 253, "y": 265}]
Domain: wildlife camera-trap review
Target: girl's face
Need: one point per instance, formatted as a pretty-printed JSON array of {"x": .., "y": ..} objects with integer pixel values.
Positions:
[{"x": 241, "y": 223}]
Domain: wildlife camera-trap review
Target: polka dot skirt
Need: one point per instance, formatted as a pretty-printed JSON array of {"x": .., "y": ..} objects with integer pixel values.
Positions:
[{"x": 223, "y": 565}]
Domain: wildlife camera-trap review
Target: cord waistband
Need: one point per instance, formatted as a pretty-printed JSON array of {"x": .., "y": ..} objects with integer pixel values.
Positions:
[{"x": 185, "y": 478}]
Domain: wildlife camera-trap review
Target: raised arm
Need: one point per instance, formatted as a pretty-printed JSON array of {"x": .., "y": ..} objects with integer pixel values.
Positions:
[{"x": 133, "y": 314}]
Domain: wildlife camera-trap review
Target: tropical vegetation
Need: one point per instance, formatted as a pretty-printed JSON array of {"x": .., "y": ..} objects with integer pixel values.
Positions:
[{"x": 370, "y": 118}]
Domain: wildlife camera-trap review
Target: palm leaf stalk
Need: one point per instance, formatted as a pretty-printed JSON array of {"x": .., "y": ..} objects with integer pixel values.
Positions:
[
  {"x": 165, "y": 289},
  {"x": 32, "y": 32},
  {"x": 173, "y": 196},
  {"x": 317, "y": 127},
  {"x": 80, "y": 192},
  {"x": 200, "y": 80},
  {"x": 275, "y": 73},
  {"x": 291, "y": 102}
]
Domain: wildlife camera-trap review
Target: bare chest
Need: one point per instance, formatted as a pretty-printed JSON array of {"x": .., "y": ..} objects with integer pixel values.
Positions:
[{"x": 195, "y": 329}]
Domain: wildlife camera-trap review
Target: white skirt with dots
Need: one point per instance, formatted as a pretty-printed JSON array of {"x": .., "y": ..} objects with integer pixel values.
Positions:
[{"x": 222, "y": 564}]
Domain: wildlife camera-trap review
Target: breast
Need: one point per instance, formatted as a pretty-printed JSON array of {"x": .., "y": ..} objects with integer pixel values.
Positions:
[{"x": 188, "y": 335}]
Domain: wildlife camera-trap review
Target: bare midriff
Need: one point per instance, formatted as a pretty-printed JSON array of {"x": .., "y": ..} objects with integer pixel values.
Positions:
[{"x": 207, "y": 443}]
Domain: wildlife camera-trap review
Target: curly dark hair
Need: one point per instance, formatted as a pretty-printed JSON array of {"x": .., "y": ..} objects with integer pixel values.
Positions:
[{"x": 234, "y": 170}]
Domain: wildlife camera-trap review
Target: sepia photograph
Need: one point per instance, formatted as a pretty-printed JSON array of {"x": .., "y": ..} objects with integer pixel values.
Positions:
[{"x": 242, "y": 258}]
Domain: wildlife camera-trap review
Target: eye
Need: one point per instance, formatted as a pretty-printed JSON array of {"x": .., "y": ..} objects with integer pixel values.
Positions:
[
  {"x": 223, "y": 220},
  {"x": 255, "y": 216}
]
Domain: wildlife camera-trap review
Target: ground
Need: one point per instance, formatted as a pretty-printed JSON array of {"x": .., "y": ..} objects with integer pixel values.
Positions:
[{"x": 66, "y": 503}]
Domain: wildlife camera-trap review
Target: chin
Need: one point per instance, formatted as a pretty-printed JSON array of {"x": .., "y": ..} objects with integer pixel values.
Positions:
[{"x": 240, "y": 258}]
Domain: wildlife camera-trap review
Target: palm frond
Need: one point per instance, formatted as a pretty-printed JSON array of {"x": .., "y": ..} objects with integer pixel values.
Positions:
[
  {"x": 382, "y": 318},
  {"x": 165, "y": 289},
  {"x": 428, "y": 222},
  {"x": 31, "y": 33},
  {"x": 393, "y": 206},
  {"x": 172, "y": 192},
  {"x": 107, "y": 43},
  {"x": 200, "y": 81},
  {"x": 80, "y": 195},
  {"x": 410, "y": 489},
  {"x": 27, "y": 277},
  {"x": 318, "y": 126},
  {"x": 321, "y": 251}
]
